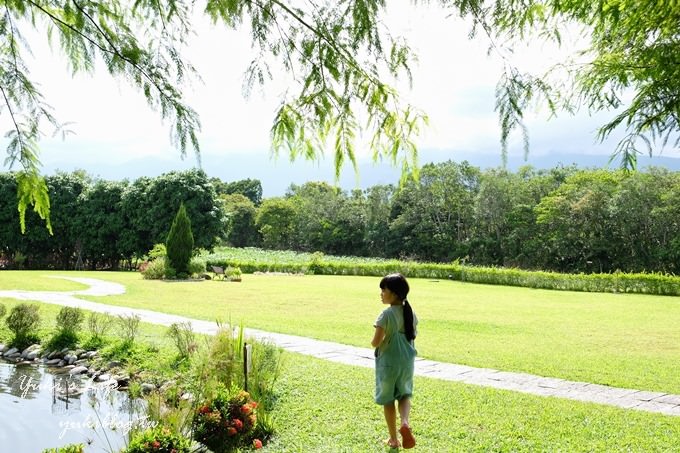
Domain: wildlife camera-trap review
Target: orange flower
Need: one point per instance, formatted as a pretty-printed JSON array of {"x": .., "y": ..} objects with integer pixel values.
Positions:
[{"x": 257, "y": 443}]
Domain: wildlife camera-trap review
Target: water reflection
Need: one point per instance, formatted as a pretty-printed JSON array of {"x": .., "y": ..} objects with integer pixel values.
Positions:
[
  {"x": 43, "y": 410},
  {"x": 22, "y": 381}
]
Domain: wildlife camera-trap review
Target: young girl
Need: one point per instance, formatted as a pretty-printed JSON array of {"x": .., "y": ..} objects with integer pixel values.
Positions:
[{"x": 395, "y": 330}]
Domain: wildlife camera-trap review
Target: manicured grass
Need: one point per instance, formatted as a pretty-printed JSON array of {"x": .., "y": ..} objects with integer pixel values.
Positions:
[
  {"x": 328, "y": 407},
  {"x": 322, "y": 406},
  {"x": 625, "y": 340}
]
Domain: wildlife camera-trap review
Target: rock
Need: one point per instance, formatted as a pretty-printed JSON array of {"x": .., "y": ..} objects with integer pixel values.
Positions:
[
  {"x": 78, "y": 370},
  {"x": 70, "y": 358},
  {"x": 52, "y": 362},
  {"x": 29, "y": 349},
  {"x": 122, "y": 380},
  {"x": 52, "y": 355},
  {"x": 3, "y": 347},
  {"x": 12, "y": 356},
  {"x": 147, "y": 388},
  {"x": 64, "y": 351},
  {"x": 79, "y": 352},
  {"x": 103, "y": 377},
  {"x": 32, "y": 355},
  {"x": 81, "y": 362},
  {"x": 187, "y": 396},
  {"x": 90, "y": 354},
  {"x": 24, "y": 363},
  {"x": 10, "y": 352},
  {"x": 111, "y": 383},
  {"x": 113, "y": 364}
]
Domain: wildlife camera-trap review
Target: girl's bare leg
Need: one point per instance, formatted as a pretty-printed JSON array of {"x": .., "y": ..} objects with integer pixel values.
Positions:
[
  {"x": 404, "y": 410},
  {"x": 391, "y": 419}
]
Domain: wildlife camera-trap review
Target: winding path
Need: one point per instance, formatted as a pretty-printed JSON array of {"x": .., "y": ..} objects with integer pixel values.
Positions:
[{"x": 659, "y": 402}]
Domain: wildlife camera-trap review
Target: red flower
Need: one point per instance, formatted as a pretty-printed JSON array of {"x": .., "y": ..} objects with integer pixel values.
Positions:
[
  {"x": 246, "y": 409},
  {"x": 156, "y": 445},
  {"x": 238, "y": 424},
  {"x": 231, "y": 431},
  {"x": 257, "y": 443},
  {"x": 204, "y": 410},
  {"x": 253, "y": 404}
]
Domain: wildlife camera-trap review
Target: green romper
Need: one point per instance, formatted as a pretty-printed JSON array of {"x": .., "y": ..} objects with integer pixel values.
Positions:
[{"x": 395, "y": 358}]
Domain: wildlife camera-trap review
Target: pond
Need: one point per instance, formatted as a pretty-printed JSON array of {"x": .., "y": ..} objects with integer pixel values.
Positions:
[{"x": 42, "y": 409}]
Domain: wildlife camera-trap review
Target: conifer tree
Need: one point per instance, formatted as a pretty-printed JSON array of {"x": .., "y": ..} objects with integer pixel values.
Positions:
[{"x": 180, "y": 243}]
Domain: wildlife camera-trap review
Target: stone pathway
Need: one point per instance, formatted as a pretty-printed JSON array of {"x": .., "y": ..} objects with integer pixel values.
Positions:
[{"x": 659, "y": 402}]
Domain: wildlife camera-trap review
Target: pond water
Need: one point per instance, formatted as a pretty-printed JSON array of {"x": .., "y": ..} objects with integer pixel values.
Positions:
[{"x": 40, "y": 409}]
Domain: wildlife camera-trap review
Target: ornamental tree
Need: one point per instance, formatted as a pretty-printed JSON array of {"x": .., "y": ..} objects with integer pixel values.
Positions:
[{"x": 180, "y": 243}]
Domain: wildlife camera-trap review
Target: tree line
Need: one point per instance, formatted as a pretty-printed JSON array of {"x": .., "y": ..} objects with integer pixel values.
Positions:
[{"x": 563, "y": 219}]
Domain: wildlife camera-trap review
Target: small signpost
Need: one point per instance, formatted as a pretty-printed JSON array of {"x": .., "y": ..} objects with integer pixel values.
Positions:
[{"x": 247, "y": 363}]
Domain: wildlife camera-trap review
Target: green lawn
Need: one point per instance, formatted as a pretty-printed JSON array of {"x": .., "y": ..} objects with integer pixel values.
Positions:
[
  {"x": 327, "y": 407},
  {"x": 620, "y": 340}
]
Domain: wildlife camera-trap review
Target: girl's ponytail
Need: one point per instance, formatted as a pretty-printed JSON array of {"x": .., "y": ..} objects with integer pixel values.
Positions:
[{"x": 409, "y": 328}]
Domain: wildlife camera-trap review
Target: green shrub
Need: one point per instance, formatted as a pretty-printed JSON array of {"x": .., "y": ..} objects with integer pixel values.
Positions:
[
  {"x": 155, "y": 270},
  {"x": 129, "y": 327},
  {"x": 3, "y": 311},
  {"x": 233, "y": 273},
  {"x": 180, "y": 242},
  {"x": 169, "y": 272},
  {"x": 98, "y": 324},
  {"x": 196, "y": 266},
  {"x": 255, "y": 260},
  {"x": 158, "y": 251},
  {"x": 69, "y": 319},
  {"x": 23, "y": 321},
  {"x": 158, "y": 440},
  {"x": 183, "y": 337}
]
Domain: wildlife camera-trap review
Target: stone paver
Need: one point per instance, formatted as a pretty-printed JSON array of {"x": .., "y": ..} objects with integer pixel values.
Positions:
[{"x": 520, "y": 382}]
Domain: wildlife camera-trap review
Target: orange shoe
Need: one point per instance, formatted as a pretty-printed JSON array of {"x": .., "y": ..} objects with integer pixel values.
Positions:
[{"x": 407, "y": 439}]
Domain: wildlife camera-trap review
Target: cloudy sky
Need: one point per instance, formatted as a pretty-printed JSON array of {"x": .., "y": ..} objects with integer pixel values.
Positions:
[{"x": 116, "y": 135}]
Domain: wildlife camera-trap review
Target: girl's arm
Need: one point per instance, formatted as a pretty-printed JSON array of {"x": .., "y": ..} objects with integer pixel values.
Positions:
[{"x": 378, "y": 337}]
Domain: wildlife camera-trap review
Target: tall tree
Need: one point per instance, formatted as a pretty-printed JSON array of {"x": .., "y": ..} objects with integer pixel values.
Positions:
[{"x": 337, "y": 52}]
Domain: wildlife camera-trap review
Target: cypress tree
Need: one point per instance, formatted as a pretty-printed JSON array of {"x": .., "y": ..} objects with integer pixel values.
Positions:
[{"x": 180, "y": 242}]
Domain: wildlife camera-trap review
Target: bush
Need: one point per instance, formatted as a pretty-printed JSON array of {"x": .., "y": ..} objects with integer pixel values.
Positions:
[
  {"x": 69, "y": 319},
  {"x": 158, "y": 440},
  {"x": 129, "y": 327},
  {"x": 23, "y": 321},
  {"x": 183, "y": 337},
  {"x": 180, "y": 242},
  {"x": 155, "y": 270},
  {"x": 3, "y": 311},
  {"x": 158, "y": 251},
  {"x": 98, "y": 324},
  {"x": 226, "y": 422},
  {"x": 196, "y": 266},
  {"x": 233, "y": 273}
]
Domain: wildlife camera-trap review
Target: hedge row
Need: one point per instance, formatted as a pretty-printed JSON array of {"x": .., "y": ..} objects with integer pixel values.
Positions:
[{"x": 642, "y": 283}]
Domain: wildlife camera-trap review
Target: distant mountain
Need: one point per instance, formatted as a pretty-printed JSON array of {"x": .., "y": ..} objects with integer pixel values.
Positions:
[{"x": 277, "y": 175}]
